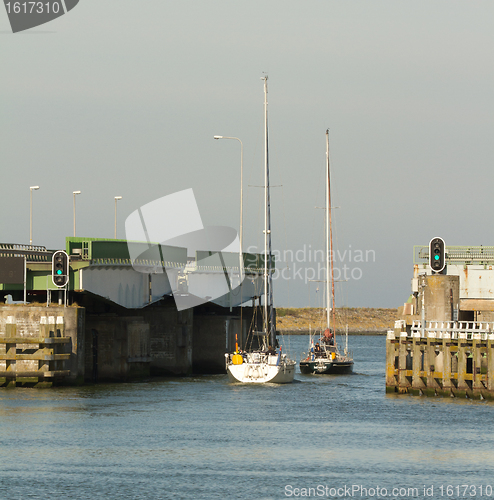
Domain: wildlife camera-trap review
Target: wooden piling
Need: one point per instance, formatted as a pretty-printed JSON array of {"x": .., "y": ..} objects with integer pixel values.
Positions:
[
  {"x": 490, "y": 365},
  {"x": 391, "y": 381},
  {"x": 418, "y": 357},
  {"x": 10, "y": 348},
  {"x": 45, "y": 351},
  {"x": 447, "y": 359}
]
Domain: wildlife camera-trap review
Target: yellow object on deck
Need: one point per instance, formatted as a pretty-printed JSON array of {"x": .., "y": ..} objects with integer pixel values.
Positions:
[{"x": 237, "y": 359}]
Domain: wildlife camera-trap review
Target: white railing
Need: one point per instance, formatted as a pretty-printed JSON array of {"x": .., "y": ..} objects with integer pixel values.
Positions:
[{"x": 468, "y": 330}]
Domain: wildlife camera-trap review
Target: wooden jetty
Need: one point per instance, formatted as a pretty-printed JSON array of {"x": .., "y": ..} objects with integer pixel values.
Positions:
[
  {"x": 34, "y": 360},
  {"x": 443, "y": 339},
  {"x": 431, "y": 358}
]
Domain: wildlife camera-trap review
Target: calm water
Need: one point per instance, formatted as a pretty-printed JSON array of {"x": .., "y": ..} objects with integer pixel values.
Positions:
[{"x": 203, "y": 438}]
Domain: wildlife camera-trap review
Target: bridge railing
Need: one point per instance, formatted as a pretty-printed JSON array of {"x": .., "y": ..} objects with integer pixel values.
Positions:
[
  {"x": 33, "y": 253},
  {"x": 457, "y": 254}
]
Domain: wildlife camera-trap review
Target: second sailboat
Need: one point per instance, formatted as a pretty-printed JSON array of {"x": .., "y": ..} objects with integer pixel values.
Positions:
[{"x": 325, "y": 356}]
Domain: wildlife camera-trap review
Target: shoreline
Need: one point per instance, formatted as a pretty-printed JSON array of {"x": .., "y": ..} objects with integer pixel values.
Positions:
[
  {"x": 338, "y": 332},
  {"x": 358, "y": 320}
]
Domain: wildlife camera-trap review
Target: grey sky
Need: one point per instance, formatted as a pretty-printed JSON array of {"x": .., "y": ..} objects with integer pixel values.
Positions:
[{"x": 124, "y": 98}]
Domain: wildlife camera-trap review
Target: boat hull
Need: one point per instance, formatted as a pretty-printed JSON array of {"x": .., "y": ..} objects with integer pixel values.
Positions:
[
  {"x": 326, "y": 367},
  {"x": 261, "y": 373}
]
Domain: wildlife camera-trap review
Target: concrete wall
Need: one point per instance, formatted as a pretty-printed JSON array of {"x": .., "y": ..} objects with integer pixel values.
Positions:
[
  {"x": 216, "y": 330},
  {"x": 212, "y": 338},
  {"x": 171, "y": 339},
  {"x": 156, "y": 340},
  {"x": 111, "y": 343},
  {"x": 441, "y": 297},
  {"x": 117, "y": 348}
]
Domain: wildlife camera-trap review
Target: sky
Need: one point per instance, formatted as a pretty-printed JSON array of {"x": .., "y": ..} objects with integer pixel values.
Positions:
[{"x": 123, "y": 98}]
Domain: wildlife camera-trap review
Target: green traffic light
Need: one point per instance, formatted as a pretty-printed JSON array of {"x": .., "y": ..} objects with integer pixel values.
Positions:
[
  {"x": 436, "y": 257},
  {"x": 59, "y": 271}
]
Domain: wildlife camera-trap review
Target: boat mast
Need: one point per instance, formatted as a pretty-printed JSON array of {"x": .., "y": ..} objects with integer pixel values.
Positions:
[
  {"x": 268, "y": 297},
  {"x": 329, "y": 246}
]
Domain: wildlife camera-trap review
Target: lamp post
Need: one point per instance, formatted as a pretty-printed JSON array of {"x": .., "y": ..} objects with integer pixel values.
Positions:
[
  {"x": 116, "y": 199},
  {"x": 74, "y": 193},
  {"x": 31, "y": 189},
  {"x": 241, "y": 182}
]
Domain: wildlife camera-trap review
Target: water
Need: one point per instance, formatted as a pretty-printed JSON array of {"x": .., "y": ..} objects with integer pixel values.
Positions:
[{"x": 203, "y": 438}]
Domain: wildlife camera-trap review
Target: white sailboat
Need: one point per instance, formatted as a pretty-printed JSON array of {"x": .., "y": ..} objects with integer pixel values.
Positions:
[
  {"x": 326, "y": 357},
  {"x": 265, "y": 364}
]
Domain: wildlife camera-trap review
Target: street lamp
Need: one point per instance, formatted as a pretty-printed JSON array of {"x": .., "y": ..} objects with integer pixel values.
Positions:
[
  {"x": 116, "y": 199},
  {"x": 241, "y": 182},
  {"x": 31, "y": 189},
  {"x": 74, "y": 193}
]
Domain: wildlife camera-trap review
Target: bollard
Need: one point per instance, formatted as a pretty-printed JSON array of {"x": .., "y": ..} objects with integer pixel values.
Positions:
[
  {"x": 10, "y": 349},
  {"x": 51, "y": 326}
]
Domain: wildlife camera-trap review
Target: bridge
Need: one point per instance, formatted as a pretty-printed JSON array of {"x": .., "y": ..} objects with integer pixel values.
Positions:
[{"x": 104, "y": 267}]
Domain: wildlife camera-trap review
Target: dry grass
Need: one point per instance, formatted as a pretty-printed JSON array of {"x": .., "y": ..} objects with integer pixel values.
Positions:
[{"x": 359, "y": 319}]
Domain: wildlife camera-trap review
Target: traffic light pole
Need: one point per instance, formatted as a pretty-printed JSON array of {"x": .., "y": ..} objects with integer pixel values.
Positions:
[{"x": 62, "y": 296}]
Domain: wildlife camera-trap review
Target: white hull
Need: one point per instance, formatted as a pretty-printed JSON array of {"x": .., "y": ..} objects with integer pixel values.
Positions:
[{"x": 259, "y": 368}]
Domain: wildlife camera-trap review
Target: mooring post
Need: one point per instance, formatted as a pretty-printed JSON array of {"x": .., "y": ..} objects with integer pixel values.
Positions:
[
  {"x": 430, "y": 363},
  {"x": 51, "y": 326},
  {"x": 10, "y": 349},
  {"x": 462, "y": 364},
  {"x": 476, "y": 365},
  {"x": 390, "y": 362},
  {"x": 447, "y": 384},
  {"x": 490, "y": 364},
  {"x": 60, "y": 327},
  {"x": 44, "y": 332},
  {"x": 402, "y": 363},
  {"x": 43, "y": 327},
  {"x": 57, "y": 365},
  {"x": 417, "y": 382}
]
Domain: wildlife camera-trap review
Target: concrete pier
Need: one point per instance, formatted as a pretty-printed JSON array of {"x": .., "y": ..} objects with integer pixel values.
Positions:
[
  {"x": 40, "y": 346},
  {"x": 454, "y": 359},
  {"x": 438, "y": 346},
  {"x": 98, "y": 341},
  {"x": 117, "y": 318}
]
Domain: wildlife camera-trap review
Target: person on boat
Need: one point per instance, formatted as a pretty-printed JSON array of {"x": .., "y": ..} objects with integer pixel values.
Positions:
[
  {"x": 271, "y": 350},
  {"x": 328, "y": 337},
  {"x": 317, "y": 348}
]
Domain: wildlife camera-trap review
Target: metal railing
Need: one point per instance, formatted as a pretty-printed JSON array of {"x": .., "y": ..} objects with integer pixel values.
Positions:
[
  {"x": 33, "y": 253},
  {"x": 457, "y": 254}
]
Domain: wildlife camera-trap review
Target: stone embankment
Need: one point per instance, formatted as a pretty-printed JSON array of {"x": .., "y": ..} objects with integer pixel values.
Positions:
[{"x": 360, "y": 320}]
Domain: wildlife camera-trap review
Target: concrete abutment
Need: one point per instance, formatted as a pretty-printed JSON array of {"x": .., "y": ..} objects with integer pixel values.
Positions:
[
  {"x": 436, "y": 353},
  {"x": 97, "y": 341}
]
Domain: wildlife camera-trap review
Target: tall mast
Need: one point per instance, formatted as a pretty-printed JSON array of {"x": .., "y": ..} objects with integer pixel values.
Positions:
[
  {"x": 266, "y": 320},
  {"x": 268, "y": 312},
  {"x": 329, "y": 246}
]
